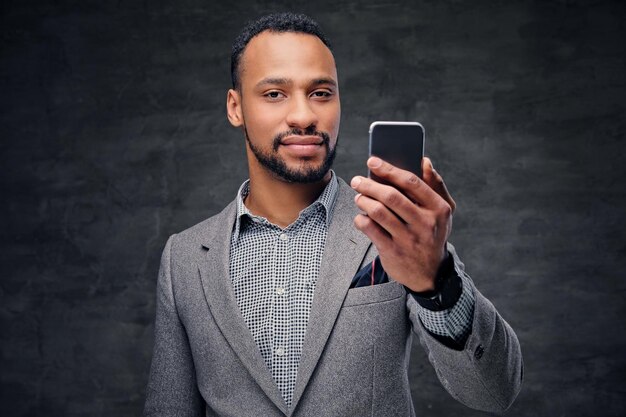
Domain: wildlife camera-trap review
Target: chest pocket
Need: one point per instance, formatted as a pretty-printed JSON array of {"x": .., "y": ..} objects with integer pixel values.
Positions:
[{"x": 373, "y": 294}]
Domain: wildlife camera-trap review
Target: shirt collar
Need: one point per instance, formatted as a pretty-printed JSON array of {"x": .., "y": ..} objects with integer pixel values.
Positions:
[{"x": 326, "y": 200}]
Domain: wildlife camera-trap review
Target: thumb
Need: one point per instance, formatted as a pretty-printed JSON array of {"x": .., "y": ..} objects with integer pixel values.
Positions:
[{"x": 435, "y": 181}]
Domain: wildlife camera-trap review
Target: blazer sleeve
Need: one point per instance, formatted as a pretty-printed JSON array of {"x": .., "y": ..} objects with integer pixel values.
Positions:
[
  {"x": 487, "y": 373},
  {"x": 172, "y": 388}
]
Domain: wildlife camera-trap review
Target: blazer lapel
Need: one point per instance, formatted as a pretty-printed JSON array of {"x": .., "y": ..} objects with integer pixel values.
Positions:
[
  {"x": 343, "y": 254},
  {"x": 218, "y": 290}
]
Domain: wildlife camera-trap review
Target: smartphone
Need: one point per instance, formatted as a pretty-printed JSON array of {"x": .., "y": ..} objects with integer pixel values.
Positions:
[{"x": 399, "y": 143}]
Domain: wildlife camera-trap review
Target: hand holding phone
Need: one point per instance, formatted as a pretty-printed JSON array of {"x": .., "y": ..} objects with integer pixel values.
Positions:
[{"x": 409, "y": 222}]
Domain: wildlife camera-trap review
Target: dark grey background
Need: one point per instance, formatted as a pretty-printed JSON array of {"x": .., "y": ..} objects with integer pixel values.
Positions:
[{"x": 114, "y": 136}]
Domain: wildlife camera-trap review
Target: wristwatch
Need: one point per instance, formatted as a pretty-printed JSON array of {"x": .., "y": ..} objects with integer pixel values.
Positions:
[{"x": 448, "y": 288}]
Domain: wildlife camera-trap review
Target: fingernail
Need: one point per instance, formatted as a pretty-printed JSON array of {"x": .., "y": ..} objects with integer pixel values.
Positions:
[
  {"x": 355, "y": 182},
  {"x": 374, "y": 162},
  {"x": 356, "y": 197}
]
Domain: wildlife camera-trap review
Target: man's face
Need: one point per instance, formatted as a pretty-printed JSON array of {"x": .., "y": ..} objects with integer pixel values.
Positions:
[{"x": 288, "y": 105}]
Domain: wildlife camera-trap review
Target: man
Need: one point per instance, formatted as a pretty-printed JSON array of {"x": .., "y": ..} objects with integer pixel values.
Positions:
[{"x": 279, "y": 306}]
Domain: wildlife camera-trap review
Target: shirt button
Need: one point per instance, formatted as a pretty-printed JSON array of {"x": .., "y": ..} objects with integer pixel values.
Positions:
[
  {"x": 283, "y": 236},
  {"x": 279, "y": 351},
  {"x": 280, "y": 290}
]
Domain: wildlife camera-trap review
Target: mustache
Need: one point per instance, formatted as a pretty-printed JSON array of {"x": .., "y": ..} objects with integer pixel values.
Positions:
[{"x": 309, "y": 131}]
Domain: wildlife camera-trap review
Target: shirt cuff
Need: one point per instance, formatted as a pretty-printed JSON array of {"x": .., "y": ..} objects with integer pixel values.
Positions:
[{"x": 455, "y": 322}]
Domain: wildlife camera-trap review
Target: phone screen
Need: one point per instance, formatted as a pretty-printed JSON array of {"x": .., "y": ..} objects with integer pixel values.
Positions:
[{"x": 399, "y": 143}]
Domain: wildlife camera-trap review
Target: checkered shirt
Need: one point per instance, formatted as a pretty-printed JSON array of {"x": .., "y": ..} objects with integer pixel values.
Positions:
[
  {"x": 274, "y": 272},
  {"x": 455, "y": 322}
]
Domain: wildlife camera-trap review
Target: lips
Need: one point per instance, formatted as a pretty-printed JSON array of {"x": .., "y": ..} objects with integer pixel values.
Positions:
[{"x": 302, "y": 140}]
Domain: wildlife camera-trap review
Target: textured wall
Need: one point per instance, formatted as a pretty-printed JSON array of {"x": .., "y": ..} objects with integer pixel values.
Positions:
[{"x": 113, "y": 136}]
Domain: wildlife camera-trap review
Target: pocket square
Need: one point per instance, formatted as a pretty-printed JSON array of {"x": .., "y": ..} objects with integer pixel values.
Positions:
[{"x": 366, "y": 277}]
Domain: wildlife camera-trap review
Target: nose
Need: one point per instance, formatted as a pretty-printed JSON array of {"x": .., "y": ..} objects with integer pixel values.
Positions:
[{"x": 301, "y": 115}]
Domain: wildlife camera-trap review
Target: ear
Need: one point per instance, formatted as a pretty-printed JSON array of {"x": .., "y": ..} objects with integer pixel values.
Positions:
[{"x": 233, "y": 108}]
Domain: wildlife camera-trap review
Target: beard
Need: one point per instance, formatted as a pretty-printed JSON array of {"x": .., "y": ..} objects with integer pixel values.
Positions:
[{"x": 303, "y": 175}]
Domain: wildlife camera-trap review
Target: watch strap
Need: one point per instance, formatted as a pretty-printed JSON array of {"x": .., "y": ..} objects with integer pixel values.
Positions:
[{"x": 448, "y": 288}]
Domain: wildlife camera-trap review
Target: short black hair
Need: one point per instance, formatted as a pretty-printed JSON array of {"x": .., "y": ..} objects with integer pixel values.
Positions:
[{"x": 276, "y": 22}]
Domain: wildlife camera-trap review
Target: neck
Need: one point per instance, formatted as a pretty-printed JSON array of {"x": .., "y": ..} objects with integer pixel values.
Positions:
[{"x": 278, "y": 201}]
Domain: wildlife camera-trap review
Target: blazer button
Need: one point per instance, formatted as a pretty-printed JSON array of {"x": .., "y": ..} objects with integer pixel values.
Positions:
[{"x": 478, "y": 353}]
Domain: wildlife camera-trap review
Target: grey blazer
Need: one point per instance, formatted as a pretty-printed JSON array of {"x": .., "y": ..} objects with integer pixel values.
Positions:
[{"x": 356, "y": 351}]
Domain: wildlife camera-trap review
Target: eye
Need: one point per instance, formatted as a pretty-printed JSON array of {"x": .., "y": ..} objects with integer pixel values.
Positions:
[
  {"x": 322, "y": 94},
  {"x": 274, "y": 95}
]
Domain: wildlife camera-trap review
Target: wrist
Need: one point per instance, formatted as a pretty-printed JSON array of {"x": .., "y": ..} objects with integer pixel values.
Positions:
[{"x": 447, "y": 289}]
